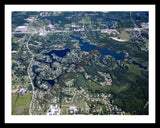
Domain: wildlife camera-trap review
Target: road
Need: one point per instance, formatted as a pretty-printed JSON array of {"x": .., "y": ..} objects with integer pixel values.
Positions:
[
  {"x": 24, "y": 32},
  {"x": 28, "y": 71},
  {"x": 137, "y": 28}
]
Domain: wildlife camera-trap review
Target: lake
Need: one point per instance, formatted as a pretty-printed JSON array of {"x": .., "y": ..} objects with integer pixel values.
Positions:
[{"x": 86, "y": 46}]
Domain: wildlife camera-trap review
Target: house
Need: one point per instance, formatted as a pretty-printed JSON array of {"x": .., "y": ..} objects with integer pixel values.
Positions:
[
  {"x": 73, "y": 109},
  {"x": 54, "y": 110}
]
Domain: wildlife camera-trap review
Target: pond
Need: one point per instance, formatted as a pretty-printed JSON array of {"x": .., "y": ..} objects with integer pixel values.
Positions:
[
  {"x": 143, "y": 14},
  {"x": 140, "y": 65},
  {"x": 59, "y": 53},
  {"x": 109, "y": 21},
  {"x": 48, "y": 41},
  {"x": 51, "y": 82},
  {"x": 37, "y": 74}
]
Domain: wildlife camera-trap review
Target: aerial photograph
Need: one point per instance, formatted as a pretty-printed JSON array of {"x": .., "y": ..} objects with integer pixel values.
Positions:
[{"x": 79, "y": 63}]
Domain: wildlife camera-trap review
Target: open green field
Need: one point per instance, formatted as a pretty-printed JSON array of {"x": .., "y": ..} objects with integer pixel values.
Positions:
[
  {"x": 124, "y": 35},
  {"x": 20, "y": 104}
]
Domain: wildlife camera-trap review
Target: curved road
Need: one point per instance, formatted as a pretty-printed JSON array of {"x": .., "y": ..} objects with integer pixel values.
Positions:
[{"x": 28, "y": 71}]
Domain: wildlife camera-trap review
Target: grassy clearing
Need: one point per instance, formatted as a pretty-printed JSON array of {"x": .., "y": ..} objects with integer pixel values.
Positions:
[
  {"x": 123, "y": 88},
  {"x": 20, "y": 104},
  {"x": 124, "y": 35},
  {"x": 85, "y": 20}
]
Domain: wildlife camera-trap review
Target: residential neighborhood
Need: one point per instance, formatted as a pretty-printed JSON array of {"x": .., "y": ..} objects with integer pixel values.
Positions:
[{"x": 86, "y": 63}]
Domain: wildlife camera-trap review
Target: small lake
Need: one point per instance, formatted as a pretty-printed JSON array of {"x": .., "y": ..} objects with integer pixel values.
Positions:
[
  {"x": 59, "y": 53},
  {"x": 143, "y": 14},
  {"x": 86, "y": 46},
  {"x": 141, "y": 66},
  {"x": 109, "y": 21}
]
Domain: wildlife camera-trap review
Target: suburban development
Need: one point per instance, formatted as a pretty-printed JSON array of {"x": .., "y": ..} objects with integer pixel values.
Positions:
[{"x": 85, "y": 63}]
